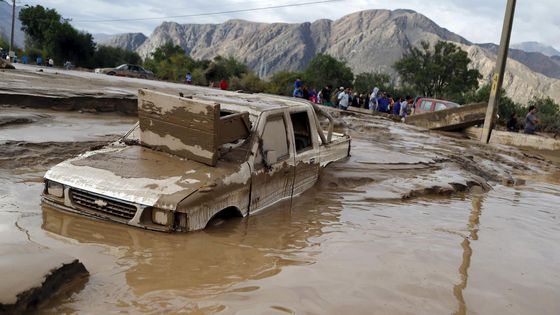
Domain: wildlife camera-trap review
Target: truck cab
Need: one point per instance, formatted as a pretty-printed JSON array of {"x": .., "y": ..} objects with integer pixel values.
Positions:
[{"x": 192, "y": 158}]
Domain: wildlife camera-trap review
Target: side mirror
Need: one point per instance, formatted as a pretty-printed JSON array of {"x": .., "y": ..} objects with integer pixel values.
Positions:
[{"x": 271, "y": 157}]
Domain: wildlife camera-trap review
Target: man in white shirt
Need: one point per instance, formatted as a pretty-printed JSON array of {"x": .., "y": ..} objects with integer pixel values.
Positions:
[{"x": 343, "y": 99}]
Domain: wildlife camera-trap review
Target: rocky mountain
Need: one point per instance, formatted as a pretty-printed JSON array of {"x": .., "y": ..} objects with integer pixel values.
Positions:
[
  {"x": 536, "y": 61},
  {"x": 6, "y": 24},
  {"x": 368, "y": 40},
  {"x": 128, "y": 41},
  {"x": 537, "y": 47}
]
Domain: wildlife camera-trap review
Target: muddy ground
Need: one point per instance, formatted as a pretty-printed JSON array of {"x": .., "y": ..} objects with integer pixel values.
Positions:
[{"x": 414, "y": 222}]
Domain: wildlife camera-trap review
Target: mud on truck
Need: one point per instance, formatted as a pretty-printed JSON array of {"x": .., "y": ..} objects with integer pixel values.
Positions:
[{"x": 191, "y": 158}]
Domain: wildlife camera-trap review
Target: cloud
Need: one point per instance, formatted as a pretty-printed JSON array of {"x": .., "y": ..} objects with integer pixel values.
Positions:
[{"x": 476, "y": 20}]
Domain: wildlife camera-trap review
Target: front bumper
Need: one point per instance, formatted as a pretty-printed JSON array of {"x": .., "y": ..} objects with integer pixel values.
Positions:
[{"x": 139, "y": 220}]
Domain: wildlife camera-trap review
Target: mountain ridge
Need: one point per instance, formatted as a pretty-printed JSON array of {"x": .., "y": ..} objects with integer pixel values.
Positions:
[{"x": 369, "y": 41}]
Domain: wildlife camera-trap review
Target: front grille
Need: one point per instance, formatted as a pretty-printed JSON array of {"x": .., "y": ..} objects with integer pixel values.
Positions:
[{"x": 100, "y": 204}]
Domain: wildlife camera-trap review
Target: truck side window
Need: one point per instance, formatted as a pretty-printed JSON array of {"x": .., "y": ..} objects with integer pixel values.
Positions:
[
  {"x": 426, "y": 106},
  {"x": 302, "y": 131},
  {"x": 440, "y": 106},
  {"x": 274, "y": 137}
]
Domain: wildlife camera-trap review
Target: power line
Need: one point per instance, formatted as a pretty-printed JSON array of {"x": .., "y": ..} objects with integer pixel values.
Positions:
[{"x": 209, "y": 13}]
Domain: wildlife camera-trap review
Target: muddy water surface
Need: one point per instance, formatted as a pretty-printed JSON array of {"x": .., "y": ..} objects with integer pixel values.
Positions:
[{"x": 412, "y": 223}]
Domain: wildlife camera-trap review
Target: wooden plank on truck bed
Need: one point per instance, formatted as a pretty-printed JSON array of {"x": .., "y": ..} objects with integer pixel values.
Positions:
[{"x": 181, "y": 126}]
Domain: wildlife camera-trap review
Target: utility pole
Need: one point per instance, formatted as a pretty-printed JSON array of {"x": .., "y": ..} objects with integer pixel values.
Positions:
[
  {"x": 11, "y": 52},
  {"x": 498, "y": 77}
]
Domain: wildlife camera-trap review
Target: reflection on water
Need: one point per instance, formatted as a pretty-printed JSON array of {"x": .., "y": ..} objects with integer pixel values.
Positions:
[
  {"x": 211, "y": 261},
  {"x": 474, "y": 221}
]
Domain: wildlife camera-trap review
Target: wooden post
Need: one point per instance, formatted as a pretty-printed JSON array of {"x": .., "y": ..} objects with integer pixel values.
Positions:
[
  {"x": 13, "y": 27},
  {"x": 498, "y": 77}
]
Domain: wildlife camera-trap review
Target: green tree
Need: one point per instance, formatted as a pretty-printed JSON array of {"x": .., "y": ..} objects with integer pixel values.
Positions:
[
  {"x": 441, "y": 72},
  {"x": 170, "y": 62},
  {"x": 65, "y": 43},
  {"x": 37, "y": 22},
  {"x": 106, "y": 56},
  {"x": 249, "y": 82},
  {"x": 366, "y": 81},
  {"x": 165, "y": 52},
  {"x": 507, "y": 106},
  {"x": 324, "y": 70},
  {"x": 4, "y": 44},
  {"x": 282, "y": 83},
  {"x": 46, "y": 31},
  {"x": 548, "y": 114},
  {"x": 224, "y": 68}
]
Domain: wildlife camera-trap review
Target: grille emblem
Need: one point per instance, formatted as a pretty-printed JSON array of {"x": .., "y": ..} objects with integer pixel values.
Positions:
[{"x": 100, "y": 202}]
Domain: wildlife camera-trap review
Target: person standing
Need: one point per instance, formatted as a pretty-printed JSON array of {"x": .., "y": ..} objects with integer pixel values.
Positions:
[
  {"x": 373, "y": 99},
  {"x": 404, "y": 106},
  {"x": 305, "y": 92},
  {"x": 51, "y": 62},
  {"x": 326, "y": 95},
  {"x": 382, "y": 103},
  {"x": 343, "y": 99},
  {"x": 188, "y": 78},
  {"x": 298, "y": 92},
  {"x": 223, "y": 85},
  {"x": 513, "y": 124},
  {"x": 397, "y": 106},
  {"x": 531, "y": 121}
]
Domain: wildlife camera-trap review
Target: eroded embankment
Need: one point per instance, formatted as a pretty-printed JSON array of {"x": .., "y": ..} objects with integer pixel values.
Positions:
[
  {"x": 394, "y": 161},
  {"x": 30, "y": 155},
  {"x": 103, "y": 104}
]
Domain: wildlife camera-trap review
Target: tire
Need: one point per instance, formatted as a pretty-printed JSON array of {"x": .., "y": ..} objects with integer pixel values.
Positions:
[{"x": 111, "y": 73}]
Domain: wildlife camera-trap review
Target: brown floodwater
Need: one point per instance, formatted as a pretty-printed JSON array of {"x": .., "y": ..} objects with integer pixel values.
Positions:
[{"x": 412, "y": 223}]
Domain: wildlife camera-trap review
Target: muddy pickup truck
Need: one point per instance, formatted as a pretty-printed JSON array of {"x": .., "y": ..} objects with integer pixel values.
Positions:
[{"x": 194, "y": 157}]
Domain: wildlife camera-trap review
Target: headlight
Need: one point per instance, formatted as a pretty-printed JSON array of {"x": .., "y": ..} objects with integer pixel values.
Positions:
[
  {"x": 55, "y": 189},
  {"x": 161, "y": 217}
]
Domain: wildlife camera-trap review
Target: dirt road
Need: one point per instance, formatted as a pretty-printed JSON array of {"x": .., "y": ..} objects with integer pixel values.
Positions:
[{"x": 413, "y": 222}]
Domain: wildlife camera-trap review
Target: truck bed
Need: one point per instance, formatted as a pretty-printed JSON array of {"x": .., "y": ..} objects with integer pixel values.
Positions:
[{"x": 337, "y": 149}]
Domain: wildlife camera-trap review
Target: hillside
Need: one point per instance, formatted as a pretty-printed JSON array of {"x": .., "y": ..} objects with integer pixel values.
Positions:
[
  {"x": 356, "y": 38},
  {"x": 536, "y": 61},
  {"x": 537, "y": 47},
  {"x": 6, "y": 24},
  {"x": 128, "y": 41},
  {"x": 368, "y": 40}
]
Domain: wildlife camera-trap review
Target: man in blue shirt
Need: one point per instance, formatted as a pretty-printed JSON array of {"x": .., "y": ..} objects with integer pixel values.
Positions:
[{"x": 383, "y": 103}]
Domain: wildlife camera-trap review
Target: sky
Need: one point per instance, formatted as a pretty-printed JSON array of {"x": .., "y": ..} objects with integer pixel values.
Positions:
[{"x": 479, "y": 21}]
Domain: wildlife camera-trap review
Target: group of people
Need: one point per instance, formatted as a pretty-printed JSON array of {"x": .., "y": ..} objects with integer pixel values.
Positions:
[{"x": 343, "y": 98}]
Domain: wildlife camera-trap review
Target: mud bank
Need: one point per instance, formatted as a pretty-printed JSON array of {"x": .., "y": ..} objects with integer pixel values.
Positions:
[
  {"x": 127, "y": 106},
  {"x": 31, "y": 274}
]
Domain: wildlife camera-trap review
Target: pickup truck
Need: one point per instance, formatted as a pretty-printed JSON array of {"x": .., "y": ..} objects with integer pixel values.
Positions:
[{"x": 192, "y": 158}]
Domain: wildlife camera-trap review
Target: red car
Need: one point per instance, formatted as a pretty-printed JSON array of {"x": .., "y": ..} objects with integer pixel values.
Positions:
[{"x": 427, "y": 105}]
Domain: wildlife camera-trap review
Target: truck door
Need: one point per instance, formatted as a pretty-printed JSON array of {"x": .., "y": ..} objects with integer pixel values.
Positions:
[
  {"x": 306, "y": 150},
  {"x": 273, "y": 175}
]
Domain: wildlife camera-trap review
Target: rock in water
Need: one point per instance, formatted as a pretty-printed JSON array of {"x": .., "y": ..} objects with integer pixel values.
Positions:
[{"x": 5, "y": 65}]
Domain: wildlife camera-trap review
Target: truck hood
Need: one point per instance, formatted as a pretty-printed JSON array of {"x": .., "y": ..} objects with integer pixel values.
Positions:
[{"x": 139, "y": 175}]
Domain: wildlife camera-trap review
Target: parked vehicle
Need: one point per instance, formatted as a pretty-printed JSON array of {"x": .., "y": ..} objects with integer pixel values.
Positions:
[
  {"x": 127, "y": 70},
  {"x": 190, "y": 159},
  {"x": 427, "y": 105}
]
